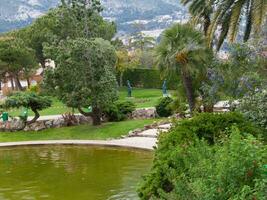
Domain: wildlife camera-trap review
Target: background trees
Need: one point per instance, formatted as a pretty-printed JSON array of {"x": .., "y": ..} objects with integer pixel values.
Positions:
[
  {"x": 16, "y": 57},
  {"x": 84, "y": 75}
]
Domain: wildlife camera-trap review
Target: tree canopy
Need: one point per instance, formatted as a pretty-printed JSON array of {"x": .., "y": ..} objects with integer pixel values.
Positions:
[
  {"x": 85, "y": 74},
  {"x": 30, "y": 100},
  {"x": 16, "y": 57}
]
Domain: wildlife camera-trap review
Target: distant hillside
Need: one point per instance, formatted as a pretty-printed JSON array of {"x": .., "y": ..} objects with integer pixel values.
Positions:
[{"x": 153, "y": 15}]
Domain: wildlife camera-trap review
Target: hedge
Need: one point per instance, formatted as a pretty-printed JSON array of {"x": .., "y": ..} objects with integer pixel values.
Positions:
[{"x": 149, "y": 78}]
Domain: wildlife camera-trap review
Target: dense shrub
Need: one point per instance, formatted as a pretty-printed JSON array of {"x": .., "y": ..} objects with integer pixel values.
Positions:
[
  {"x": 173, "y": 158},
  {"x": 254, "y": 108},
  {"x": 119, "y": 111},
  {"x": 212, "y": 126},
  {"x": 164, "y": 107},
  {"x": 231, "y": 169},
  {"x": 179, "y": 106},
  {"x": 149, "y": 78}
]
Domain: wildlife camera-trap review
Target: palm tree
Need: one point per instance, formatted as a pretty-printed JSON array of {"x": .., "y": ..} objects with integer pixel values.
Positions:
[
  {"x": 201, "y": 11},
  {"x": 227, "y": 15},
  {"x": 183, "y": 49}
]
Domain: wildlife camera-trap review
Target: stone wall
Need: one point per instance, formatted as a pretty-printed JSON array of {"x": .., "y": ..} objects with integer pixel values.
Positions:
[
  {"x": 144, "y": 113},
  {"x": 16, "y": 124}
]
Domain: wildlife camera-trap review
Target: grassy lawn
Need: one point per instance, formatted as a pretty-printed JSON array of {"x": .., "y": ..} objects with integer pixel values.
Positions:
[
  {"x": 143, "y": 98},
  {"x": 83, "y": 132}
]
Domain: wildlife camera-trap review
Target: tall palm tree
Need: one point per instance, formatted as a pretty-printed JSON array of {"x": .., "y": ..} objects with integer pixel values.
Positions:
[
  {"x": 227, "y": 15},
  {"x": 182, "y": 49},
  {"x": 201, "y": 11},
  {"x": 230, "y": 13}
]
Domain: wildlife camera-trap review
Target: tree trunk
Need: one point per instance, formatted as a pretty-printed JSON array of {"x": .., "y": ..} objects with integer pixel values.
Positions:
[
  {"x": 12, "y": 83},
  {"x": 188, "y": 85},
  {"x": 28, "y": 82},
  {"x": 121, "y": 77},
  {"x": 18, "y": 84},
  {"x": 36, "y": 116},
  {"x": 42, "y": 62},
  {"x": 96, "y": 115}
]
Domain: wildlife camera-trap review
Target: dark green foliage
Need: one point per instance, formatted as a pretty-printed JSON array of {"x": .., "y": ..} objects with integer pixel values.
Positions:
[
  {"x": 149, "y": 78},
  {"x": 85, "y": 74},
  {"x": 254, "y": 108},
  {"x": 231, "y": 169},
  {"x": 212, "y": 126},
  {"x": 196, "y": 161},
  {"x": 164, "y": 108},
  {"x": 119, "y": 111},
  {"x": 29, "y": 100},
  {"x": 126, "y": 107}
]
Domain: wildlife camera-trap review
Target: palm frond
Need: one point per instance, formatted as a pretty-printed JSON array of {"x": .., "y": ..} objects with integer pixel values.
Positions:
[
  {"x": 259, "y": 10},
  {"x": 235, "y": 19}
]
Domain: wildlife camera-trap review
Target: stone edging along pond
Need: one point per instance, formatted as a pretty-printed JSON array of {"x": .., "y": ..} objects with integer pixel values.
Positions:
[
  {"x": 131, "y": 142},
  {"x": 144, "y": 139}
]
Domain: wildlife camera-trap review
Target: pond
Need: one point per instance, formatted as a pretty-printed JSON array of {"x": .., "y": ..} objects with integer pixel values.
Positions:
[{"x": 71, "y": 173}]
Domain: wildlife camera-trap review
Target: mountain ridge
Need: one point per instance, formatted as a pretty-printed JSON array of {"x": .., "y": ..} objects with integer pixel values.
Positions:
[{"x": 151, "y": 15}]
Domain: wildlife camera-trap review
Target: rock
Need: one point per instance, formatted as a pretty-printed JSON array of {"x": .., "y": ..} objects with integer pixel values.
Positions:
[
  {"x": 144, "y": 113},
  {"x": 36, "y": 126},
  {"x": 84, "y": 120},
  {"x": 58, "y": 122},
  {"x": 149, "y": 133},
  {"x": 165, "y": 126},
  {"x": 49, "y": 123},
  {"x": 15, "y": 124}
]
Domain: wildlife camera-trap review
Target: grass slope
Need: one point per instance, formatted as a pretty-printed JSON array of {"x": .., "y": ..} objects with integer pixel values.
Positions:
[{"x": 83, "y": 132}]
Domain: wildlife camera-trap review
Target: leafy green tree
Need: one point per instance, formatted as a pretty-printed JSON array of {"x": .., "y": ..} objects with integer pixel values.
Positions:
[
  {"x": 243, "y": 71},
  {"x": 85, "y": 75},
  {"x": 125, "y": 61},
  {"x": 141, "y": 41},
  {"x": 16, "y": 58},
  {"x": 183, "y": 50},
  {"x": 72, "y": 19},
  {"x": 253, "y": 106},
  {"x": 29, "y": 100}
]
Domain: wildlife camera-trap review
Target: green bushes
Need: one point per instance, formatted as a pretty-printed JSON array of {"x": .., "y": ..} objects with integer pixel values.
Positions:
[
  {"x": 164, "y": 108},
  {"x": 254, "y": 108},
  {"x": 232, "y": 169},
  {"x": 213, "y": 126},
  {"x": 211, "y": 156},
  {"x": 119, "y": 111}
]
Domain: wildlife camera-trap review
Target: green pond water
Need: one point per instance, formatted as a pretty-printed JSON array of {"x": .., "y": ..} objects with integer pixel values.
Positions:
[{"x": 71, "y": 173}]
